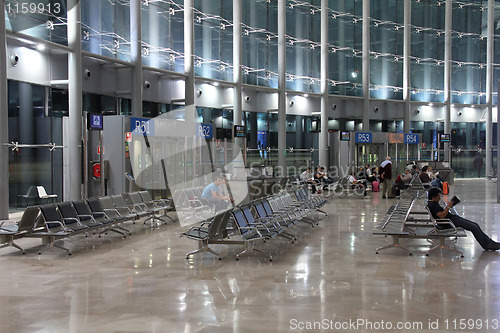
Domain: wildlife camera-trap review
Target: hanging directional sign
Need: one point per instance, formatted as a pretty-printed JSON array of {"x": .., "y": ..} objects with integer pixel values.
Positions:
[
  {"x": 363, "y": 137},
  {"x": 95, "y": 122},
  {"x": 411, "y": 138}
]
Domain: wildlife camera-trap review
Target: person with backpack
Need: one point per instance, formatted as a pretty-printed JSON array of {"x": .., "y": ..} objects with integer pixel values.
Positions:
[{"x": 385, "y": 171}]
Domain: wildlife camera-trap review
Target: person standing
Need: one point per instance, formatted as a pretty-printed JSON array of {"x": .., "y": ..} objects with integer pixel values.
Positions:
[
  {"x": 385, "y": 171},
  {"x": 478, "y": 164}
]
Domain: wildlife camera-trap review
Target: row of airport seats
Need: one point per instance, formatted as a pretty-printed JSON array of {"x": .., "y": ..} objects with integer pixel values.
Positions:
[
  {"x": 191, "y": 199},
  {"x": 258, "y": 221},
  {"x": 57, "y": 221}
]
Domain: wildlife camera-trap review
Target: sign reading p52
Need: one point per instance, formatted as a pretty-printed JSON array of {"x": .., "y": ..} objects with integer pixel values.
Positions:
[
  {"x": 411, "y": 138},
  {"x": 204, "y": 131},
  {"x": 363, "y": 138}
]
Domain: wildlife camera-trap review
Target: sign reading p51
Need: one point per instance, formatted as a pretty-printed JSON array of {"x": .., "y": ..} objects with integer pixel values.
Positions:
[
  {"x": 142, "y": 126},
  {"x": 411, "y": 138},
  {"x": 363, "y": 138}
]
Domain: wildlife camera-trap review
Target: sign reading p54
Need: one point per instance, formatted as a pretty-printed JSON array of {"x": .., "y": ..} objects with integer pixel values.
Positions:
[{"x": 411, "y": 138}]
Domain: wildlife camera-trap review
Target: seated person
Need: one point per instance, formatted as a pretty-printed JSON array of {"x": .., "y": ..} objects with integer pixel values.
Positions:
[
  {"x": 414, "y": 170},
  {"x": 437, "y": 182},
  {"x": 211, "y": 193},
  {"x": 373, "y": 175},
  {"x": 406, "y": 179},
  {"x": 434, "y": 196},
  {"x": 321, "y": 177},
  {"x": 353, "y": 181},
  {"x": 306, "y": 177},
  {"x": 424, "y": 176}
]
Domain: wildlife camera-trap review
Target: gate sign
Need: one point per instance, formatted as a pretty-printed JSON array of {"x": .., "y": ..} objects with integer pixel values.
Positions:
[
  {"x": 204, "y": 131},
  {"x": 142, "y": 126},
  {"x": 95, "y": 122},
  {"x": 411, "y": 138},
  {"x": 363, "y": 138}
]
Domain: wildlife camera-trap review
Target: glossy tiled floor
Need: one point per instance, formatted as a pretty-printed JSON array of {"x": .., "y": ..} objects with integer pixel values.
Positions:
[{"x": 331, "y": 280}]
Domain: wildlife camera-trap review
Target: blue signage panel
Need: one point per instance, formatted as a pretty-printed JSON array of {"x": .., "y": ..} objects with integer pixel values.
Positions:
[
  {"x": 411, "y": 138},
  {"x": 363, "y": 138},
  {"x": 142, "y": 126},
  {"x": 205, "y": 131},
  {"x": 95, "y": 122}
]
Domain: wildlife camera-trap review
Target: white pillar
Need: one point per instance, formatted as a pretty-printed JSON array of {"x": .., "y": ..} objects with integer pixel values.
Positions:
[
  {"x": 281, "y": 84},
  {"x": 136, "y": 56},
  {"x": 447, "y": 74},
  {"x": 4, "y": 124},
  {"x": 406, "y": 65},
  {"x": 489, "y": 87},
  {"x": 323, "y": 137},
  {"x": 73, "y": 170},
  {"x": 366, "y": 65},
  {"x": 237, "y": 98},
  {"x": 189, "y": 51}
]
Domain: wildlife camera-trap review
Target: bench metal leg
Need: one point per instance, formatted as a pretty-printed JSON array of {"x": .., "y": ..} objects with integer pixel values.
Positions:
[
  {"x": 443, "y": 246},
  {"x": 203, "y": 247},
  {"x": 251, "y": 247},
  {"x": 11, "y": 243},
  {"x": 290, "y": 237},
  {"x": 123, "y": 229},
  {"x": 395, "y": 243},
  {"x": 51, "y": 242}
]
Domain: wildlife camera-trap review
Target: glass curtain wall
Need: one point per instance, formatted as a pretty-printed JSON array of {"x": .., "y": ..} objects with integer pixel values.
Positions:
[
  {"x": 427, "y": 51},
  {"x": 260, "y": 43},
  {"x": 345, "y": 44},
  {"x": 213, "y": 35},
  {"x": 303, "y": 42},
  {"x": 31, "y": 125},
  {"x": 106, "y": 28},
  {"x": 163, "y": 34},
  {"x": 468, "y": 53},
  {"x": 386, "y": 49},
  {"x": 46, "y": 20}
]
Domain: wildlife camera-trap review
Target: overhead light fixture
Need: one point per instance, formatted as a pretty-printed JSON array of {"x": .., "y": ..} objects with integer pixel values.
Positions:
[{"x": 40, "y": 47}]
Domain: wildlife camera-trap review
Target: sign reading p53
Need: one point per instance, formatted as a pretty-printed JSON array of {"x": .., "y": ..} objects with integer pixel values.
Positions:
[
  {"x": 363, "y": 137},
  {"x": 411, "y": 138}
]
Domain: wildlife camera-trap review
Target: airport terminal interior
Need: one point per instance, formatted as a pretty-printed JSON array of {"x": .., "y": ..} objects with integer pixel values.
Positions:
[{"x": 115, "y": 116}]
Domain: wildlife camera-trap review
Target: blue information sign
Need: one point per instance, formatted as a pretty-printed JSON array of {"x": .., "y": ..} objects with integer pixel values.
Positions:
[
  {"x": 363, "y": 138},
  {"x": 95, "y": 122},
  {"x": 411, "y": 138},
  {"x": 204, "y": 131},
  {"x": 142, "y": 126}
]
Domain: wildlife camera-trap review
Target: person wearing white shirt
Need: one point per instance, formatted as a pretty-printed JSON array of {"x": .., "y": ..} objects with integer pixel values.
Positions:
[{"x": 306, "y": 175}]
